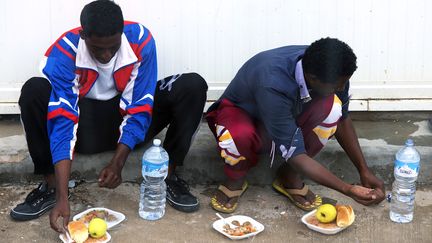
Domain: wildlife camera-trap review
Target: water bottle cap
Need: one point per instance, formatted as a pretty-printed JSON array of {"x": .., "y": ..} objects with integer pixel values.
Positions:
[
  {"x": 409, "y": 142},
  {"x": 156, "y": 142}
]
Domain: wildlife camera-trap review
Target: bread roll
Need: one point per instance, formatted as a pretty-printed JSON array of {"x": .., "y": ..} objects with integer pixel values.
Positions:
[
  {"x": 78, "y": 231},
  {"x": 345, "y": 215}
]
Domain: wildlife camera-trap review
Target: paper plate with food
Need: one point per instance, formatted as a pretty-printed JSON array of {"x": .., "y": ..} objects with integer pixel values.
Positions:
[
  {"x": 238, "y": 227},
  {"x": 78, "y": 232},
  {"x": 112, "y": 217},
  {"x": 329, "y": 219}
]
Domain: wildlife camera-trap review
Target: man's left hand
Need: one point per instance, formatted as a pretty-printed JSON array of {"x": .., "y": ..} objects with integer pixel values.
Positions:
[
  {"x": 369, "y": 180},
  {"x": 110, "y": 176}
]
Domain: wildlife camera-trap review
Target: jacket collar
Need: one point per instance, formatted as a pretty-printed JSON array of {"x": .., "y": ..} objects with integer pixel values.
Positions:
[
  {"x": 125, "y": 56},
  {"x": 299, "y": 77}
]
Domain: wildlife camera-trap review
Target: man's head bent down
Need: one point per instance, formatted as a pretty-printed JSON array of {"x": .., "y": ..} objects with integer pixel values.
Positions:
[
  {"x": 102, "y": 28},
  {"x": 328, "y": 64}
]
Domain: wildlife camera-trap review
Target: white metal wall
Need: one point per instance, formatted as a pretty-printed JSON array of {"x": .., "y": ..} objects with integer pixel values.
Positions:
[{"x": 215, "y": 37}]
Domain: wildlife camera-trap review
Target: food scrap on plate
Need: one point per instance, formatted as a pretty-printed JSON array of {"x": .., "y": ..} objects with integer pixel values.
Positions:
[{"x": 239, "y": 229}]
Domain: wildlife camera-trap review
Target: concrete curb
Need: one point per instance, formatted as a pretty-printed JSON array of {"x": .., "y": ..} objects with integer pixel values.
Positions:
[
  {"x": 13, "y": 149},
  {"x": 204, "y": 166}
]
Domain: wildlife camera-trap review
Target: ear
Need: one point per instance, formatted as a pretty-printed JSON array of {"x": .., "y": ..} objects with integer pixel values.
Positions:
[
  {"x": 82, "y": 34},
  {"x": 310, "y": 78}
]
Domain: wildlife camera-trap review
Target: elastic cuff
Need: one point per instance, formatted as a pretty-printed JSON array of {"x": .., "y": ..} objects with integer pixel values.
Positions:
[
  {"x": 61, "y": 156},
  {"x": 128, "y": 141},
  {"x": 234, "y": 174},
  {"x": 297, "y": 152}
]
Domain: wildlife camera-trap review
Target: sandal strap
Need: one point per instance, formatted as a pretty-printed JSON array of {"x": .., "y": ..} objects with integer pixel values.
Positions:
[
  {"x": 230, "y": 193},
  {"x": 301, "y": 192}
]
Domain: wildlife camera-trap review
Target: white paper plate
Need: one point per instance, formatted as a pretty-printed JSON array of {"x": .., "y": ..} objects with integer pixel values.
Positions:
[
  {"x": 218, "y": 226},
  {"x": 119, "y": 216},
  {"x": 64, "y": 239},
  {"x": 320, "y": 229}
]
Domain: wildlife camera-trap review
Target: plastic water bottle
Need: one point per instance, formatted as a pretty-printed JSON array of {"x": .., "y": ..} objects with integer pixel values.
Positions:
[
  {"x": 153, "y": 188},
  {"x": 406, "y": 170}
]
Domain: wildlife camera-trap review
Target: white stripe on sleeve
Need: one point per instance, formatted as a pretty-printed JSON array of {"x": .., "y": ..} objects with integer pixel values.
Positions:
[
  {"x": 141, "y": 31},
  {"x": 125, "y": 118},
  {"x": 128, "y": 91},
  {"x": 70, "y": 44}
]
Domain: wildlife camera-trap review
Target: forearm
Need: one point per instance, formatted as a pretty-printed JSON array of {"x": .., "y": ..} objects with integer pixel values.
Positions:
[
  {"x": 347, "y": 138},
  {"x": 120, "y": 156},
  {"x": 110, "y": 176},
  {"x": 62, "y": 174},
  {"x": 318, "y": 173}
]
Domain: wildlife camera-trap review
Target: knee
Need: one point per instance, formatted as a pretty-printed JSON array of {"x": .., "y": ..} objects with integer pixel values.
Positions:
[
  {"x": 32, "y": 89},
  {"x": 195, "y": 84},
  {"x": 243, "y": 135},
  {"x": 240, "y": 135},
  {"x": 234, "y": 146}
]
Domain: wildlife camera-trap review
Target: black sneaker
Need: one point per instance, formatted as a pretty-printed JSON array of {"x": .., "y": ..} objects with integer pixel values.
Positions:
[
  {"x": 179, "y": 196},
  {"x": 37, "y": 202}
]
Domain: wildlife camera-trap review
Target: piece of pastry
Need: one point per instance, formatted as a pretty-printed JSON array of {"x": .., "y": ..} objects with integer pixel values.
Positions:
[
  {"x": 78, "y": 231},
  {"x": 345, "y": 215}
]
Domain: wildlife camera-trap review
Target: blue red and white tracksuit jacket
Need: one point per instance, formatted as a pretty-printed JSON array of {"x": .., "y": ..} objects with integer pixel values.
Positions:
[{"x": 72, "y": 72}]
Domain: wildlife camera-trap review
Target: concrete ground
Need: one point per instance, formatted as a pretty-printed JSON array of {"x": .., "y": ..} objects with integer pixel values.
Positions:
[
  {"x": 280, "y": 218},
  {"x": 380, "y": 139}
]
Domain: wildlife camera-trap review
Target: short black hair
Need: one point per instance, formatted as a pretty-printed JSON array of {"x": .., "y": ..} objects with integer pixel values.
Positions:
[
  {"x": 328, "y": 59},
  {"x": 101, "y": 18}
]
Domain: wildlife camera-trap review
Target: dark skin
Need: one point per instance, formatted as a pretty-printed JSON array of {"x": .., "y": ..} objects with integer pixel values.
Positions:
[
  {"x": 101, "y": 49},
  {"x": 109, "y": 177},
  {"x": 372, "y": 189}
]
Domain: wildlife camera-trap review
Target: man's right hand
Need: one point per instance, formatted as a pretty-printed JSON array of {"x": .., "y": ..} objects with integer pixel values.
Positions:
[
  {"x": 363, "y": 195},
  {"x": 61, "y": 209}
]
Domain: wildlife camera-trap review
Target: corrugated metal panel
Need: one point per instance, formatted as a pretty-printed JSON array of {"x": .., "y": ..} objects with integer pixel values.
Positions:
[{"x": 215, "y": 37}]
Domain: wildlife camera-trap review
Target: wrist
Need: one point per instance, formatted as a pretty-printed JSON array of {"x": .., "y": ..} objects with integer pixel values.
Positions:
[
  {"x": 364, "y": 171},
  {"x": 117, "y": 164},
  {"x": 120, "y": 156},
  {"x": 62, "y": 196},
  {"x": 346, "y": 189}
]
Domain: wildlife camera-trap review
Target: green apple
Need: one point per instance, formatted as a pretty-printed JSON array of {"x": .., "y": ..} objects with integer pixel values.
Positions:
[{"x": 326, "y": 213}]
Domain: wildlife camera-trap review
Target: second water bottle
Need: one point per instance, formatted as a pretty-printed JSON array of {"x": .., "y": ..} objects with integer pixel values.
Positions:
[
  {"x": 406, "y": 170},
  {"x": 153, "y": 188}
]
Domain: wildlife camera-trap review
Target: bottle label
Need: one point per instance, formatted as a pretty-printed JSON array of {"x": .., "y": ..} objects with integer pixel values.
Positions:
[
  {"x": 151, "y": 169},
  {"x": 406, "y": 169}
]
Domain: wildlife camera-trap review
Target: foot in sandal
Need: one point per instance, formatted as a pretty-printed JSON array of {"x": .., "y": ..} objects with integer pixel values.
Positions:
[
  {"x": 225, "y": 198},
  {"x": 303, "y": 198}
]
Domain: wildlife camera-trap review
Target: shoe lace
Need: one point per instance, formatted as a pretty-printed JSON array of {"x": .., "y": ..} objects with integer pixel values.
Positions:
[
  {"x": 39, "y": 200},
  {"x": 180, "y": 184},
  {"x": 46, "y": 194},
  {"x": 35, "y": 192},
  {"x": 183, "y": 183}
]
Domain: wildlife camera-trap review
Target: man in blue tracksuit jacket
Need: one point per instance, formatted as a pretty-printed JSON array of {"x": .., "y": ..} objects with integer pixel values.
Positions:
[{"x": 99, "y": 92}]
